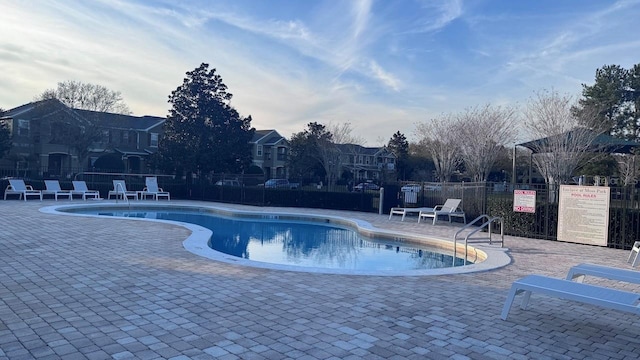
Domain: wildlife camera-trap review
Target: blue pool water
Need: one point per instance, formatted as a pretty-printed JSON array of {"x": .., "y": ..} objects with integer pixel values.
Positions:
[{"x": 301, "y": 243}]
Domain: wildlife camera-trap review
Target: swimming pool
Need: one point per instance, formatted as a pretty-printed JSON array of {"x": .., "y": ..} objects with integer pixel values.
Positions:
[
  {"x": 368, "y": 250},
  {"x": 305, "y": 243}
]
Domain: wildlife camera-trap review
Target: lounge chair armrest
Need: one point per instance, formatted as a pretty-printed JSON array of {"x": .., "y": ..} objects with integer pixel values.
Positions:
[
  {"x": 29, "y": 187},
  {"x": 437, "y": 207}
]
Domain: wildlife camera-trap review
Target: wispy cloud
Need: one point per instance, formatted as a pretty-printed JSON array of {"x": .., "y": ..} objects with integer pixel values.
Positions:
[
  {"x": 385, "y": 77},
  {"x": 437, "y": 14},
  {"x": 380, "y": 65}
]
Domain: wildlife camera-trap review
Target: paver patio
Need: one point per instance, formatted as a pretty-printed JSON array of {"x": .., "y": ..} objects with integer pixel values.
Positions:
[{"x": 75, "y": 288}]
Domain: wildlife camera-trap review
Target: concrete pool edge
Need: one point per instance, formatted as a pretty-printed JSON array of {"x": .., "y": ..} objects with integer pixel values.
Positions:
[{"x": 197, "y": 242}]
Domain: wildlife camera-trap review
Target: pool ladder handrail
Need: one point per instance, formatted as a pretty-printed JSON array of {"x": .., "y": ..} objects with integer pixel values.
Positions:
[
  {"x": 124, "y": 194},
  {"x": 487, "y": 223}
]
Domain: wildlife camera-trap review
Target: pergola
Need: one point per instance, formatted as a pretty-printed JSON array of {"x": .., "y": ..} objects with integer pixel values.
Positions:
[{"x": 602, "y": 143}]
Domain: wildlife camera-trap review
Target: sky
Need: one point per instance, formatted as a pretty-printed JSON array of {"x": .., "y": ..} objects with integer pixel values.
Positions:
[{"x": 382, "y": 66}]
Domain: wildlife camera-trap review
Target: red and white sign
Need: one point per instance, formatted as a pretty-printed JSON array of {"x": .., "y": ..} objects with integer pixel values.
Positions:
[{"x": 524, "y": 201}]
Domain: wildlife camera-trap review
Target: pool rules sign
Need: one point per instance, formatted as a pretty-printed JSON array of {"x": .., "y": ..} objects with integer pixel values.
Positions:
[
  {"x": 583, "y": 214},
  {"x": 524, "y": 201}
]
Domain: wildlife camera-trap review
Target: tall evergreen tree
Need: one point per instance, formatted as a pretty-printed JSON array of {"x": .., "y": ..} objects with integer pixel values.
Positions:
[
  {"x": 203, "y": 133},
  {"x": 616, "y": 96},
  {"x": 313, "y": 151},
  {"x": 399, "y": 146},
  {"x": 5, "y": 136}
]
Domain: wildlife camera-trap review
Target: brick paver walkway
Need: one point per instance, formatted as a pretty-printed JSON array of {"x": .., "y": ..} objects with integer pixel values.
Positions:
[{"x": 75, "y": 288}]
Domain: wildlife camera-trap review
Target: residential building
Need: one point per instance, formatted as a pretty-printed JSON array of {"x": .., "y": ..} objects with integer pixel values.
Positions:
[
  {"x": 366, "y": 163},
  {"x": 48, "y": 138},
  {"x": 269, "y": 152},
  {"x": 132, "y": 138}
]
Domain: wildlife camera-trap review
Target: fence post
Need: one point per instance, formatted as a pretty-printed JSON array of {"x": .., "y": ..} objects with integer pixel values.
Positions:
[{"x": 381, "y": 202}]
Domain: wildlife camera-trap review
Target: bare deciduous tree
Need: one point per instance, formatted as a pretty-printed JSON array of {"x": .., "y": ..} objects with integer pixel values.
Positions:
[
  {"x": 343, "y": 134},
  {"x": 562, "y": 143},
  {"x": 628, "y": 168},
  {"x": 350, "y": 144},
  {"x": 79, "y": 95},
  {"x": 440, "y": 138},
  {"x": 483, "y": 134}
]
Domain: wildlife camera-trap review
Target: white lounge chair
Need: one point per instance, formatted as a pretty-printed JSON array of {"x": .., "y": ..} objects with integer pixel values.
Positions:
[
  {"x": 153, "y": 190},
  {"x": 80, "y": 188},
  {"x": 634, "y": 259},
  {"x": 120, "y": 191},
  {"x": 449, "y": 209},
  {"x": 53, "y": 188},
  {"x": 18, "y": 187},
  {"x": 406, "y": 211},
  {"x": 569, "y": 290},
  {"x": 578, "y": 273}
]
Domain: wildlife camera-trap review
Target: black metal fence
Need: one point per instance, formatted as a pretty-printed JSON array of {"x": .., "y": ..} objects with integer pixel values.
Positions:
[
  {"x": 496, "y": 199},
  {"x": 493, "y": 199},
  {"x": 229, "y": 188}
]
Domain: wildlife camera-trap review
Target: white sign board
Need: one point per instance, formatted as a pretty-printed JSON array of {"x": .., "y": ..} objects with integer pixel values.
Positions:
[
  {"x": 583, "y": 214},
  {"x": 524, "y": 201}
]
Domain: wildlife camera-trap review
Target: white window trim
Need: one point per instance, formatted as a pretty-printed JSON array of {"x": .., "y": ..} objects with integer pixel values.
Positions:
[{"x": 151, "y": 141}]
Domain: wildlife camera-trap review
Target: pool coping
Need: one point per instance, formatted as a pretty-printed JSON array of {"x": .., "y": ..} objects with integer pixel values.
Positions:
[{"x": 197, "y": 242}]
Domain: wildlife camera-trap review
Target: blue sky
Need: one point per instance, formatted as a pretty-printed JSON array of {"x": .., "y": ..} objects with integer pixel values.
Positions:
[{"x": 383, "y": 66}]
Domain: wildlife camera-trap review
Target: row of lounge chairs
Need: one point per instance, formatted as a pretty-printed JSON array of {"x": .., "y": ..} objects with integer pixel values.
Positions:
[
  {"x": 80, "y": 189},
  {"x": 151, "y": 190},
  {"x": 450, "y": 209}
]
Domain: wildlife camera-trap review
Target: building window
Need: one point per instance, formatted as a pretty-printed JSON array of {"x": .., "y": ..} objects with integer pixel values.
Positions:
[
  {"x": 282, "y": 154},
  {"x": 153, "y": 139},
  {"x": 259, "y": 151},
  {"x": 125, "y": 137},
  {"x": 23, "y": 127}
]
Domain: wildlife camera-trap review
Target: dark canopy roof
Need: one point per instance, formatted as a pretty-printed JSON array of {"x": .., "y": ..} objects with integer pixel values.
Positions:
[{"x": 601, "y": 143}]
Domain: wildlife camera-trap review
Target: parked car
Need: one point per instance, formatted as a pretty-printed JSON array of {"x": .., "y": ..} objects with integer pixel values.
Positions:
[
  {"x": 433, "y": 187},
  {"x": 228, "y": 183},
  {"x": 366, "y": 186},
  {"x": 280, "y": 184},
  {"x": 411, "y": 188}
]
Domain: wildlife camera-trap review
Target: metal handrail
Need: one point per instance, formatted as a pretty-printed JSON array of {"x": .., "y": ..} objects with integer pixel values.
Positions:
[
  {"x": 487, "y": 223},
  {"x": 124, "y": 193}
]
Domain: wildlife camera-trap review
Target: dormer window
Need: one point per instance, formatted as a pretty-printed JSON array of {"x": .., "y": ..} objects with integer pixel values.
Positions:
[
  {"x": 23, "y": 127},
  {"x": 153, "y": 140}
]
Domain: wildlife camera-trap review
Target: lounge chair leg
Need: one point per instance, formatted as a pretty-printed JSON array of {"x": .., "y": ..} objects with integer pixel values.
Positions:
[
  {"x": 525, "y": 299},
  {"x": 508, "y": 302},
  {"x": 634, "y": 259}
]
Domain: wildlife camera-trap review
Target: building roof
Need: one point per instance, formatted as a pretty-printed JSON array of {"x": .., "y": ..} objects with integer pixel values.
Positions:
[
  {"x": 267, "y": 137},
  {"x": 41, "y": 109},
  {"x": 601, "y": 142},
  {"x": 120, "y": 121},
  {"x": 46, "y": 108},
  {"x": 362, "y": 150}
]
